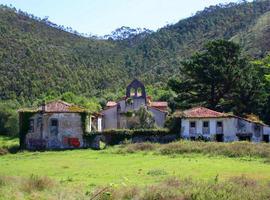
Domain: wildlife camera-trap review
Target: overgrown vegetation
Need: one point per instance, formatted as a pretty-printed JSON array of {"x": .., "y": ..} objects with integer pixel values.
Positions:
[
  {"x": 36, "y": 187},
  {"x": 237, "y": 187},
  {"x": 118, "y": 136},
  {"x": 188, "y": 189},
  {"x": 235, "y": 149},
  {"x": 141, "y": 119}
]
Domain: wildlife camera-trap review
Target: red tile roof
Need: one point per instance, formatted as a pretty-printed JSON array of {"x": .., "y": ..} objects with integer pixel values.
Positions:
[
  {"x": 111, "y": 103},
  {"x": 159, "y": 104},
  {"x": 159, "y": 109},
  {"x": 201, "y": 112},
  {"x": 61, "y": 106},
  {"x": 57, "y": 107}
]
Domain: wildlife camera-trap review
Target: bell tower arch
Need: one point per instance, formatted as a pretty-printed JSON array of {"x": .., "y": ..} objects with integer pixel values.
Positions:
[{"x": 136, "y": 89}]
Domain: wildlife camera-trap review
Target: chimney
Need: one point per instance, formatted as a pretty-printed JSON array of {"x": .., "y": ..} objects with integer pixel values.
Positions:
[{"x": 43, "y": 107}]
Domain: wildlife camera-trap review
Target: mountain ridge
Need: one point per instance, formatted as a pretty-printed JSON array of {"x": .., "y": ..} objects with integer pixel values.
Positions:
[{"x": 38, "y": 59}]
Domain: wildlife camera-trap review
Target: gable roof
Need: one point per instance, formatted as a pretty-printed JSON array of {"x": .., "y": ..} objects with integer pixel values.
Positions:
[
  {"x": 159, "y": 104},
  {"x": 111, "y": 104},
  {"x": 201, "y": 112},
  {"x": 158, "y": 109},
  {"x": 57, "y": 106}
]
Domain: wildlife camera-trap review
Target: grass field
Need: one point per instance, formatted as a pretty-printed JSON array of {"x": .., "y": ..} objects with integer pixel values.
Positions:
[{"x": 88, "y": 169}]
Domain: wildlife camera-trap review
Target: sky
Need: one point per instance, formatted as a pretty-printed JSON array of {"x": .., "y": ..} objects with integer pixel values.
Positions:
[{"x": 101, "y": 17}]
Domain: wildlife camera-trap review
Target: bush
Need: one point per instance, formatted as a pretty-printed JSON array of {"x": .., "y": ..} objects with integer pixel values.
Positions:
[
  {"x": 173, "y": 123},
  {"x": 118, "y": 136},
  {"x": 9, "y": 123}
]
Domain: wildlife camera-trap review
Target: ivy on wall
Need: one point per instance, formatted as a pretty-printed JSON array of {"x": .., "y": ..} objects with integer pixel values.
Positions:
[
  {"x": 85, "y": 116},
  {"x": 24, "y": 126}
]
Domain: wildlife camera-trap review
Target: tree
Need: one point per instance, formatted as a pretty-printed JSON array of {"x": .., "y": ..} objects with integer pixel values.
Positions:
[
  {"x": 263, "y": 66},
  {"x": 9, "y": 123},
  {"x": 141, "y": 119},
  {"x": 218, "y": 78}
]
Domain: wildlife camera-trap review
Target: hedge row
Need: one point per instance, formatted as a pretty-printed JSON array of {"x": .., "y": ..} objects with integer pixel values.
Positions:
[{"x": 116, "y": 136}]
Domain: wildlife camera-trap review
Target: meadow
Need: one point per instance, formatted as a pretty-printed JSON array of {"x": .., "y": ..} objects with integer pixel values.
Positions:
[{"x": 135, "y": 169}]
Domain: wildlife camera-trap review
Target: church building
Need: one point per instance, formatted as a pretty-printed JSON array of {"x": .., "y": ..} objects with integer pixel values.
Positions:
[{"x": 119, "y": 115}]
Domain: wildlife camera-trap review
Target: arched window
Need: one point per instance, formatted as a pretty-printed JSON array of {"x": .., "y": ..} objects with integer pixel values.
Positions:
[
  {"x": 132, "y": 92},
  {"x": 139, "y": 92}
]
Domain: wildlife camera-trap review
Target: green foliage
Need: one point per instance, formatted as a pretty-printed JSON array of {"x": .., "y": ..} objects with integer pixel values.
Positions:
[
  {"x": 25, "y": 125},
  {"x": 173, "y": 123},
  {"x": 9, "y": 124},
  {"x": 145, "y": 119},
  {"x": 117, "y": 136},
  {"x": 219, "y": 78},
  {"x": 263, "y": 67},
  {"x": 53, "y": 60}
]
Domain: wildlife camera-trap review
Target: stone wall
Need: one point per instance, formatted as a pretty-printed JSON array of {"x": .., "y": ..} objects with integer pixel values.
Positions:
[{"x": 67, "y": 134}]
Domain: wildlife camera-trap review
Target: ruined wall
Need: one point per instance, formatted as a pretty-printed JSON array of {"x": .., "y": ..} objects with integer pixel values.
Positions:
[
  {"x": 110, "y": 118},
  {"x": 159, "y": 117},
  {"x": 68, "y": 134}
]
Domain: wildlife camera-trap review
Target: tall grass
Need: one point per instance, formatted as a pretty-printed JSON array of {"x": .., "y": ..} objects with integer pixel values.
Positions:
[
  {"x": 235, "y": 149},
  {"x": 36, "y": 187},
  {"x": 174, "y": 189}
]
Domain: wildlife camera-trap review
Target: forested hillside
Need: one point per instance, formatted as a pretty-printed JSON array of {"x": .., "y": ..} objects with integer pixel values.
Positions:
[{"x": 37, "y": 58}]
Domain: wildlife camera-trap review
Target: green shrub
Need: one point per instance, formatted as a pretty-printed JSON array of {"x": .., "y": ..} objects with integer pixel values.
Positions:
[
  {"x": 9, "y": 124},
  {"x": 117, "y": 136}
]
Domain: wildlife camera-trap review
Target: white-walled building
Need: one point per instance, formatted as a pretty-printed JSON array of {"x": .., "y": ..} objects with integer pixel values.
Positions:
[{"x": 208, "y": 124}]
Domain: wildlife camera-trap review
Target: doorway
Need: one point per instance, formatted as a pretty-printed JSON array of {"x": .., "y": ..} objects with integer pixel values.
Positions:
[
  {"x": 266, "y": 138},
  {"x": 244, "y": 138},
  {"x": 220, "y": 138}
]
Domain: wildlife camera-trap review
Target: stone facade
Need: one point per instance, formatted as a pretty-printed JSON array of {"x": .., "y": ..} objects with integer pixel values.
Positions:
[
  {"x": 57, "y": 125},
  {"x": 54, "y": 131}
]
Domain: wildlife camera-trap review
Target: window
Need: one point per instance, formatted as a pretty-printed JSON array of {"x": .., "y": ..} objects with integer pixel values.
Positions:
[
  {"x": 132, "y": 92},
  {"x": 219, "y": 124},
  {"x": 139, "y": 92},
  {"x": 39, "y": 121},
  {"x": 192, "y": 124},
  {"x": 31, "y": 125},
  {"x": 219, "y": 128},
  {"x": 54, "y": 126},
  {"x": 205, "y": 124}
]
